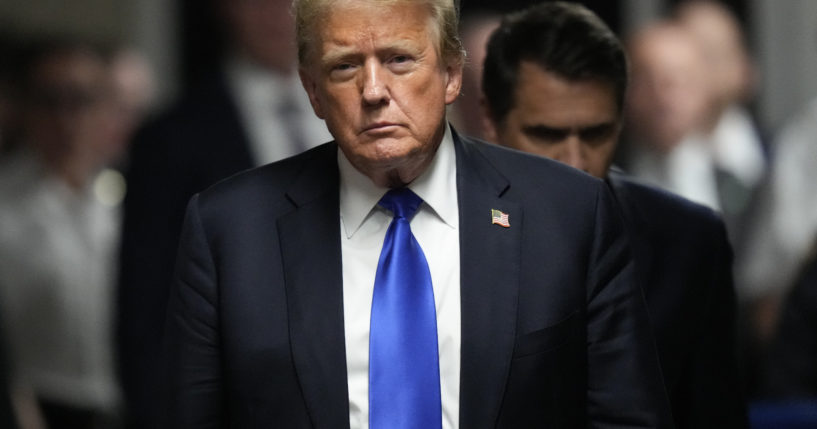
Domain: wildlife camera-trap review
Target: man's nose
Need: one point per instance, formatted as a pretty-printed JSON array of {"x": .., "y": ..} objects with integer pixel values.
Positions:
[
  {"x": 375, "y": 91},
  {"x": 573, "y": 154}
]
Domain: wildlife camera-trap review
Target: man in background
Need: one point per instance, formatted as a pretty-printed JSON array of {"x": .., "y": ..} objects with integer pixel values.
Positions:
[
  {"x": 59, "y": 233},
  {"x": 667, "y": 105},
  {"x": 250, "y": 112},
  {"x": 688, "y": 130},
  {"x": 736, "y": 147},
  {"x": 554, "y": 83}
]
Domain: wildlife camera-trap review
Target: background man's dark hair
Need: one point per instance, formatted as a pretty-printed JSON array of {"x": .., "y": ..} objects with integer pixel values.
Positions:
[{"x": 566, "y": 39}]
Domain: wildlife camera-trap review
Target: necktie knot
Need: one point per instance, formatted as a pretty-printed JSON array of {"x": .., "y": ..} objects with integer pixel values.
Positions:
[{"x": 402, "y": 202}]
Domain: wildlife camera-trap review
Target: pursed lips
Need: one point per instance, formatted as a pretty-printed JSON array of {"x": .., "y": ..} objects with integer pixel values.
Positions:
[{"x": 380, "y": 127}]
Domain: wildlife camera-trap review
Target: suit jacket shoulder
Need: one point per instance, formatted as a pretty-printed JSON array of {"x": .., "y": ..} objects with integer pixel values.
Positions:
[{"x": 292, "y": 182}]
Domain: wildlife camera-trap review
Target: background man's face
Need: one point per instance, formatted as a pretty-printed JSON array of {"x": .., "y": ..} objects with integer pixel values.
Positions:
[
  {"x": 263, "y": 30},
  {"x": 669, "y": 96},
  {"x": 376, "y": 78},
  {"x": 70, "y": 112},
  {"x": 574, "y": 122}
]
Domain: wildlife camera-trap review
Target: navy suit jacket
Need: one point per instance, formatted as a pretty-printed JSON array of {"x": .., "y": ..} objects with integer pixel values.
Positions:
[
  {"x": 554, "y": 329},
  {"x": 684, "y": 263}
]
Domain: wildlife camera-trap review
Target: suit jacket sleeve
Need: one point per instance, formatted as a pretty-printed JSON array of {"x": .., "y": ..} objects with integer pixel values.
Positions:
[
  {"x": 193, "y": 375},
  {"x": 625, "y": 387},
  {"x": 713, "y": 396}
]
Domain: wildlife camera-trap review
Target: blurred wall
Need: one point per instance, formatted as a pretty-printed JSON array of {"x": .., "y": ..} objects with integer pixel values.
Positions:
[
  {"x": 147, "y": 25},
  {"x": 785, "y": 43},
  {"x": 637, "y": 13},
  {"x": 92, "y": 18}
]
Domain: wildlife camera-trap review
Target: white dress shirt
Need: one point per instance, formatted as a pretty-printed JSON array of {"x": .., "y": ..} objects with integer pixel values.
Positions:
[
  {"x": 260, "y": 96},
  {"x": 737, "y": 147},
  {"x": 436, "y": 228}
]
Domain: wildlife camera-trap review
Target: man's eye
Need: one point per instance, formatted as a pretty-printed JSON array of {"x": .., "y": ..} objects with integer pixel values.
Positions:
[
  {"x": 401, "y": 63},
  {"x": 342, "y": 71}
]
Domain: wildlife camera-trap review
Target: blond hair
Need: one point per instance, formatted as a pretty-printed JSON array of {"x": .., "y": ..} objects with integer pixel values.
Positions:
[{"x": 444, "y": 14}]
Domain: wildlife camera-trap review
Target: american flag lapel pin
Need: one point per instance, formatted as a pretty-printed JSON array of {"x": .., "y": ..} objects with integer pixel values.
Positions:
[{"x": 499, "y": 218}]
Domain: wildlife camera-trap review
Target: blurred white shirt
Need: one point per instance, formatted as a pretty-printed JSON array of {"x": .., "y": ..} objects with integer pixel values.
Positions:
[
  {"x": 275, "y": 112},
  {"x": 57, "y": 253},
  {"x": 786, "y": 228}
]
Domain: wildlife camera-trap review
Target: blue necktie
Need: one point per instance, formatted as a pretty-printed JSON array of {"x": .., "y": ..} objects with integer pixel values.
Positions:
[{"x": 404, "y": 371}]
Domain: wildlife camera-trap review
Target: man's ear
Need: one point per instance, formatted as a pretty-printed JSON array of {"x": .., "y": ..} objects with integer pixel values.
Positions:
[
  {"x": 311, "y": 87},
  {"x": 453, "y": 84},
  {"x": 490, "y": 129}
]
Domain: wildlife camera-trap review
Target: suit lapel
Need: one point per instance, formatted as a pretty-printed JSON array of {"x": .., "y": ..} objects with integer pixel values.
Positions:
[
  {"x": 310, "y": 245},
  {"x": 489, "y": 260}
]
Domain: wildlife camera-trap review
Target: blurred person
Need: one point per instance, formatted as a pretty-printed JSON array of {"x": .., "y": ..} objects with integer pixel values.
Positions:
[
  {"x": 667, "y": 105},
  {"x": 792, "y": 371},
  {"x": 789, "y": 394},
  {"x": 249, "y": 112},
  {"x": 465, "y": 113},
  {"x": 779, "y": 239},
  {"x": 58, "y": 235},
  {"x": 731, "y": 74},
  {"x": 134, "y": 88},
  {"x": 735, "y": 143},
  {"x": 554, "y": 83},
  {"x": 529, "y": 317}
]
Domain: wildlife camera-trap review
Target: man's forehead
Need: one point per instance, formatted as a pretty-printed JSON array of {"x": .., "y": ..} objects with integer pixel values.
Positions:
[
  {"x": 540, "y": 89},
  {"x": 374, "y": 26}
]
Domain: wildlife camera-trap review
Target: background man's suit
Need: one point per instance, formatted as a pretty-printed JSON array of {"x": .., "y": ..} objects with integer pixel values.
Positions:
[
  {"x": 197, "y": 143},
  {"x": 554, "y": 331},
  {"x": 683, "y": 260}
]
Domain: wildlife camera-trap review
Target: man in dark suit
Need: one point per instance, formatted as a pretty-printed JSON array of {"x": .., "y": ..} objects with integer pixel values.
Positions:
[
  {"x": 537, "y": 317},
  {"x": 554, "y": 84}
]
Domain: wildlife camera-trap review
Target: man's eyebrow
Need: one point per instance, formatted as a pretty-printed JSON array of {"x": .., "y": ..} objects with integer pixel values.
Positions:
[
  {"x": 337, "y": 53},
  {"x": 541, "y": 128},
  {"x": 598, "y": 127}
]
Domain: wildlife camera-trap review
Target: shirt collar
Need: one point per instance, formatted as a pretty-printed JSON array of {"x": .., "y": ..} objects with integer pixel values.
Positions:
[{"x": 437, "y": 186}]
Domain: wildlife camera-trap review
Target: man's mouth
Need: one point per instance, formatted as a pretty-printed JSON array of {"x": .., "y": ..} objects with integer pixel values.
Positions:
[{"x": 380, "y": 127}]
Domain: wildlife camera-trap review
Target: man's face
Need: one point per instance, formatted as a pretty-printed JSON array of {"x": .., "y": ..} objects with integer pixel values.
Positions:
[
  {"x": 375, "y": 76},
  {"x": 576, "y": 123},
  {"x": 669, "y": 96},
  {"x": 263, "y": 30},
  {"x": 69, "y": 112}
]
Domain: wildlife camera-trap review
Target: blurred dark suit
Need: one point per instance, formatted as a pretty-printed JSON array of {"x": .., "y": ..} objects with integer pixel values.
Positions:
[
  {"x": 683, "y": 260},
  {"x": 7, "y": 419},
  {"x": 197, "y": 142},
  {"x": 792, "y": 371}
]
